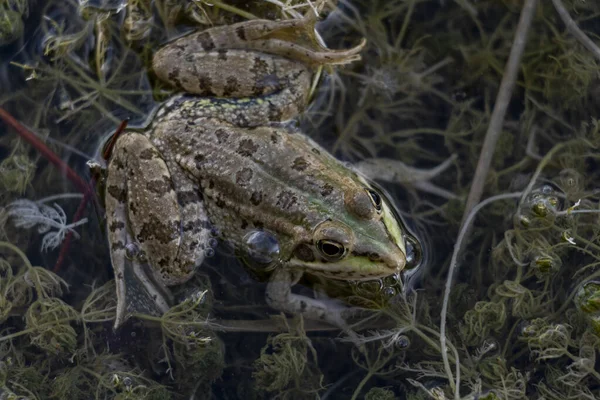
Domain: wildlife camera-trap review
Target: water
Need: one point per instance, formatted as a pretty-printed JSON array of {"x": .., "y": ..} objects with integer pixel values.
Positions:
[{"x": 522, "y": 316}]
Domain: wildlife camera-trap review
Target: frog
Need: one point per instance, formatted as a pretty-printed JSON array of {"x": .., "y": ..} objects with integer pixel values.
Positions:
[{"x": 222, "y": 160}]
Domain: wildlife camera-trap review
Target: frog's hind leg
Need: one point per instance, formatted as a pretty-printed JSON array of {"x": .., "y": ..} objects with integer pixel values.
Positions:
[
  {"x": 132, "y": 283},
  {"x": 294, "y": 39},
  {"x": 151, "y": 248},
  {"x": 241, "y": 87}
]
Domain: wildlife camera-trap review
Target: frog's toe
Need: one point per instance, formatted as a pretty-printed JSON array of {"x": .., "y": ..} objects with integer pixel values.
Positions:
[{"x": 137, "y": 293}]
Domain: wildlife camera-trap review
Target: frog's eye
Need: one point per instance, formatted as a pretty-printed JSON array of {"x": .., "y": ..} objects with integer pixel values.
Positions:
[
  {"x": 413, "y": 252},
  {"x": 331, "y": 250},
  {"x": 375, "y": 199}
]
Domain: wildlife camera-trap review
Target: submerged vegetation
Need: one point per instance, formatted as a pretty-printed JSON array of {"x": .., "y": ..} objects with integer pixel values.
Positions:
[{"x": 508, "y": 305}]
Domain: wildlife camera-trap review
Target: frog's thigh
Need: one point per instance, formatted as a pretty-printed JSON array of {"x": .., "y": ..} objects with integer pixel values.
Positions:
[
  {"x": 279, "y": 296},
  {"x": 152, "y": 208},
  {"x": 135, "y": 292}
]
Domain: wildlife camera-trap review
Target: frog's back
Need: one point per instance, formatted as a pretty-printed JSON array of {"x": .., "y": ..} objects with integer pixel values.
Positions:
[{"x": 272, "y": 178}]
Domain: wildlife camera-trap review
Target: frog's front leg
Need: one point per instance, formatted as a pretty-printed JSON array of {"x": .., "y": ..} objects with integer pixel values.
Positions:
[
  {"x": 388, "y": 170},
  {"x": 151, "y": 244},
  {"x": 279, "y": 296}
]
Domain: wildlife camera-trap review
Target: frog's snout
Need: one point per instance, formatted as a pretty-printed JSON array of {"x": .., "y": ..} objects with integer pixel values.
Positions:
[{"x": 394, "y": 259}]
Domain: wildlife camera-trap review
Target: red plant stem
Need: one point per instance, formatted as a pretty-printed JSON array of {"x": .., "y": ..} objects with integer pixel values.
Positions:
[
  {"x": 86, "y": 197},
  {"x": 86, "y": 189},
  {"x": 40, "y": 146},
  {"x": 113, "y": 140}
]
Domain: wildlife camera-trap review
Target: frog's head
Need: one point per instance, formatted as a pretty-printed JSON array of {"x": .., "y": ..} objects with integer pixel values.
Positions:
[{"x": 366, "y": 241}]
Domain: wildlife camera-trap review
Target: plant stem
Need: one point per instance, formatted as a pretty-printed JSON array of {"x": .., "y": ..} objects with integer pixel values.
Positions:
[
  {"x": 361, "y": 385},
  {"x": 574, "y": 29},
  {"x": 451, "y": 270},
  {"x": 30, "y": 137},
  {"x": 502, "y": 100}
]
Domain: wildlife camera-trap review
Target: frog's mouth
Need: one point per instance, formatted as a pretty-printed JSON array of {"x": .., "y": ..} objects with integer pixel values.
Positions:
[{"x": 357, "y": 268}]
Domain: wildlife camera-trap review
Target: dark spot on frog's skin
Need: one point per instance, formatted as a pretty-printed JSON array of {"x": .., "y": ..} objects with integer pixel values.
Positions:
[
  {"x": 173, "y": 77},
  {"x": 220, "y": 203},
  {"x": 132, "y": 207},
  {"x": 221, "y": 135},
  {"x": 222, "y": 54},
  {"x": 258, "y": 89},
  {"x": 258, "y": 224},
  {"x": 274, "y": 138},
  {"x": 205, "y": 85},
  {"x": 116, "y": 225},
  {"x": 316, "y": 151},
  {"x": 180, "y": 49},
  {"x": 187, "y": 197},
  {"x": 118, "y": 245},
  {"x": 243, "y": 176},
  {"x": 241, "y": 32},
  {"x": 119, "y": 194},
  {"x": 304, "y": 252},
  {"x": 242, "y": 120},
  {"x": 156, "y": 228},
  {"x": 196, "y": 225},
  {"x": 205, "y": 41},
  {"x": 164, "y": 263},
  {"x": 256, "y": 198},
  {"x": 211, "y": 184},
  {"x": 231, "y": 86},
  {"x": 286, "y": 199},
  {"x": 174, "y": 73},
  {"x": 275, "y": 113},
  {"x": 200, "y": 160},
  {"x": 303, "y": 306},
  {"x": 259, "y": 68},
  {"x": 159, "y": 186},
  {"x": 147, "y": 154},
  {"x": 300, "y": 164},
  {"x": 244, "y": 224},
  {"x": 326, "y": 190},
  {"x": 117, "y": 163},
  {"x": 246, "y": 148}
]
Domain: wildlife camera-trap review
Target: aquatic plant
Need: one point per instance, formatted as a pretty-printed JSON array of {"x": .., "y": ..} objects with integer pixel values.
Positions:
[
  {"x": 288, "y": 366},
  {"x": 49, "y": 220},
  {"x": 512, "y": 314}
]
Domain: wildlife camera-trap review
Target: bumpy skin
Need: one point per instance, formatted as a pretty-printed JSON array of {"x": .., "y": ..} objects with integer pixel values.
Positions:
[{"x": 226, "y": 161}]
